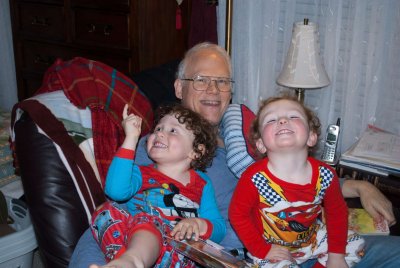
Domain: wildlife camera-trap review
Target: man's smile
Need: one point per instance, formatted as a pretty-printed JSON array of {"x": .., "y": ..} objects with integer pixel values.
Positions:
[{"x": 210, "y": 102}]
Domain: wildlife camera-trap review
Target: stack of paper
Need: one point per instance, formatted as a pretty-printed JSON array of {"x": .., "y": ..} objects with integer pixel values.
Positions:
[{"x": 377, "y": 151}]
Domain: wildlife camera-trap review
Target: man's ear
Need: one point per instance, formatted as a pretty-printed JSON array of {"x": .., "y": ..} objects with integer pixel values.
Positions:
[
  {"x": 260, "y": 146},
  {"x": 312, "y": 139},
  {"x": 178, "y": 88}
]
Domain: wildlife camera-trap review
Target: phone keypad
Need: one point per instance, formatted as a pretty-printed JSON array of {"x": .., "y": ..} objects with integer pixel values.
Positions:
[{"x": 329, "y": 154}]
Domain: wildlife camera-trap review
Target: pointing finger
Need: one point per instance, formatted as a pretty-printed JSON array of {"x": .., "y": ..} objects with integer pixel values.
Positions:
[{"x": 125, "y": 112}]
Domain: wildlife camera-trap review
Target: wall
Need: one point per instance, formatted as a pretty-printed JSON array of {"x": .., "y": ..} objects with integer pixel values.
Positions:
[{"x": 8, "y": 83}]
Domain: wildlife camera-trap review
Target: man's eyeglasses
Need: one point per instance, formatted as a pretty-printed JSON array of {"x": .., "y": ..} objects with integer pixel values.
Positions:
[{"x": 202, "y": 83}]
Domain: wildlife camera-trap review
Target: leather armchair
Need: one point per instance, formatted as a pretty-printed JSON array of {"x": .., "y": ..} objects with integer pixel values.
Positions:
[{"x": 57, "y": 212}]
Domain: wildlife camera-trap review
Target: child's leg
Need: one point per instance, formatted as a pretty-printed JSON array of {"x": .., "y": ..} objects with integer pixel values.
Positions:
[
  {"x": 138, "y": 238},
  {"x": 142, "y": 251},
  {"x": 113, "y": 229},
  {"x": 109, "y": 226},
  {"x": 354, "y": 248}
]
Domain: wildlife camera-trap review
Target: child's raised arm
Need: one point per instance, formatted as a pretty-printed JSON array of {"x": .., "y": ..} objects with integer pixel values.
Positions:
[{"x": 132, "y": 126}]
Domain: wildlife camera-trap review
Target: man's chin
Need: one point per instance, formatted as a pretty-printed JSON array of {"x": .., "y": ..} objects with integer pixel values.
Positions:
[
  {"x": 213, "y": 121},
  {"x": 212, "y": 118}
]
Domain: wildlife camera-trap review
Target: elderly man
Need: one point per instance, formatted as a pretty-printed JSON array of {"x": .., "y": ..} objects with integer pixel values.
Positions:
[{"x": 203, "y": 84}]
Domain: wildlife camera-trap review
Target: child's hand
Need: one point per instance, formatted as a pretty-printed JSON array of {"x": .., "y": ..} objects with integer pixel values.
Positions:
[
  {"x": 336, "y": 260},
  {"x": 279, "y": 253},
  {"x": 189, "y": 228},
  {"x": 132, "y": 126},
  {"x": 131, "y": 123}
]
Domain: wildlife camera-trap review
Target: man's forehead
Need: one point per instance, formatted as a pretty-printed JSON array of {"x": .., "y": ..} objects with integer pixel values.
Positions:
[{"x": 207, "y": 63}]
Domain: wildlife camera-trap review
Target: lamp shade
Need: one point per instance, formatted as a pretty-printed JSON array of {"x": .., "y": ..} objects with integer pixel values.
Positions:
[{"x": 303, "y": 66}]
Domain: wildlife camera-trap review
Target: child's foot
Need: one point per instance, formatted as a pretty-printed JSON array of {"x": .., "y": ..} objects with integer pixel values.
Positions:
[{"x": 122, "y": 262}]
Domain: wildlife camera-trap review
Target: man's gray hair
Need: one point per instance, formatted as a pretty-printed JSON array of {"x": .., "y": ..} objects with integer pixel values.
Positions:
[{"x": 200, "y": 47}]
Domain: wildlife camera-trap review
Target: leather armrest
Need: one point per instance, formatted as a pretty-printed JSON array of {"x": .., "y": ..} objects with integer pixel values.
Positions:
[{"x": 57, "y": 214}]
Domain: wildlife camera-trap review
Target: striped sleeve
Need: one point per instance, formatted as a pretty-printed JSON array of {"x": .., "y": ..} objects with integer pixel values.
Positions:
[{"x": 233, "y": 128}]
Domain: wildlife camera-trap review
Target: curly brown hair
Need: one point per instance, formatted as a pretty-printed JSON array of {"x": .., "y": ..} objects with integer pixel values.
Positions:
[
  {"x": 205, "y": 135},
  {"x": 313, "y": 121}
]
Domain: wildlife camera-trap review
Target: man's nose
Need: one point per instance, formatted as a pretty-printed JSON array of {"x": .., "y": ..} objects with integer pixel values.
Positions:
[{"x": 212, "y": 87}]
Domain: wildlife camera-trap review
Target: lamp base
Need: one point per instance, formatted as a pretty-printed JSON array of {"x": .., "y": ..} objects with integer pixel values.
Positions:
[{"x": 300, "y": 94}]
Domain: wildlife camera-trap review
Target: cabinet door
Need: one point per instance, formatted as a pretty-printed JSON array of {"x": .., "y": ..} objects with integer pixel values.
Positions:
[{"x": 156, "y": 36}]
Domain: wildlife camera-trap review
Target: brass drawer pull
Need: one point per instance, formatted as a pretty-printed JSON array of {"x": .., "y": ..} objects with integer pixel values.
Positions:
[
  {"x": 107, "y": 29},
  {"x": 40, "y": 21},
  {"x": 91, "y": 28}
]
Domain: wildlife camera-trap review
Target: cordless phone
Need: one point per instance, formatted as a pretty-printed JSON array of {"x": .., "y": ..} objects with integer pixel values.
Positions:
[{"x": 330, "y": 144}]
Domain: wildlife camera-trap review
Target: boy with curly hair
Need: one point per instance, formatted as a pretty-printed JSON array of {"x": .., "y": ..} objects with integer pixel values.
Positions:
[{"x": 170, "y": 197}]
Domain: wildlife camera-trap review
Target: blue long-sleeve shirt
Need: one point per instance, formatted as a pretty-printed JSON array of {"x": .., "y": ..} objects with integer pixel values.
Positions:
[{"x": 146, "y": 189}]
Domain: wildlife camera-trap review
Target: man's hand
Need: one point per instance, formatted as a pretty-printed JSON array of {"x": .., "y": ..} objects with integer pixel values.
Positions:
[
  {"x": 132, "y": 126},
  {"x": 189, "y": 228},
  {"x": 372, "y": 200}
]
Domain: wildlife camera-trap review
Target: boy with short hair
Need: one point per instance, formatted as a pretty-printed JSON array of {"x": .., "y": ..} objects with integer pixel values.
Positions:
[{"x": 276, "y": 207}]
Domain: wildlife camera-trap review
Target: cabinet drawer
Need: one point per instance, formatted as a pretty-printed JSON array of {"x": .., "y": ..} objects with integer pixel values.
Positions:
[
  {"x": 38, "y": 57},
  {"x": 99, "y": 28},
  {"x": 40, "y": 20}
]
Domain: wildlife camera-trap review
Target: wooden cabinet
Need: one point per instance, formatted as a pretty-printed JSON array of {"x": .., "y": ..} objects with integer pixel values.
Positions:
[{"x": 129, "y": 35}]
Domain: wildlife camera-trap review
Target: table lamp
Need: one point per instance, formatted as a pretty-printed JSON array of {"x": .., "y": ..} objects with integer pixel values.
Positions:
[{"x": 303, "y": 67}]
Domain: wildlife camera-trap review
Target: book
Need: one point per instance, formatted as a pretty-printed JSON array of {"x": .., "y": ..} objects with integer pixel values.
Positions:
[
  {"x": 362, "y": 223},
  {"x": 207, "y": 253},
  {"x": 377, "y": 149}
]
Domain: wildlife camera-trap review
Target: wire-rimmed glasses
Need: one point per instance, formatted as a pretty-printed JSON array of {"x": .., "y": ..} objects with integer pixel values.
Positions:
[{"x": 202, "y": 83}]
